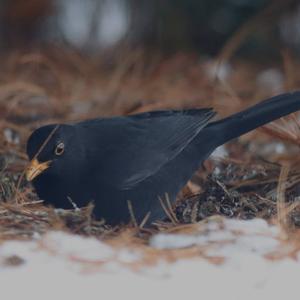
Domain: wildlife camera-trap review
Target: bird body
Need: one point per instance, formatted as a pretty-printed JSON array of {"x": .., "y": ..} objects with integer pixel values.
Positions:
[{"x": 137, "y": 158}]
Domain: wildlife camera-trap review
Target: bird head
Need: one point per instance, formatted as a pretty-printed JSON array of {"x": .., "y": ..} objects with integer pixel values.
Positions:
[{"x": 51, "y": 149}]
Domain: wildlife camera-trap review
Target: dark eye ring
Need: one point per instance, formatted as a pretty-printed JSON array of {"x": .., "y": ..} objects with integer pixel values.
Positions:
[{"x": 60, "y": 148}]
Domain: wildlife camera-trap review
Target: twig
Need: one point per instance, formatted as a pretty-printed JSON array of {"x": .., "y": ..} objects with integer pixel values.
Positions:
[
  {"x": 76, "y": 208},
  {"x": 166, "y": 210},
  {"x": 131, "y": 212},
  {"x": 170, "y": 207},
  {"x": 281, "y": 208},
  {"x": 144, "y": 221}
]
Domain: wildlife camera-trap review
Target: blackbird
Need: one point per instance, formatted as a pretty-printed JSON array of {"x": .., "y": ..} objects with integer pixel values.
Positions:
[{"x": 135, "y": 159}]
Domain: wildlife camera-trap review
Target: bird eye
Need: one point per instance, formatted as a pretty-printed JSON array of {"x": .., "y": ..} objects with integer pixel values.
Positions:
[{"x": 60, "y": 148}]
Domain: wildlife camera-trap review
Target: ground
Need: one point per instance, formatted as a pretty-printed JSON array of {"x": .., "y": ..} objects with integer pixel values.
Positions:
[
  {"x": 217, "y": 258},
  {"x": 234, "y": 226}
]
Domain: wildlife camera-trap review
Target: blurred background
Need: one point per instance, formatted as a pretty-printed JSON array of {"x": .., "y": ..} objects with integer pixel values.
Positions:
[
  {"x": 65, "y": 60},
  {"x": 168, "y": 25}
]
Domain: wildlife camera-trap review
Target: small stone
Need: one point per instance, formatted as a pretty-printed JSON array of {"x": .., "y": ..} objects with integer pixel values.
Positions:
[{"x": 13, "y": 261}]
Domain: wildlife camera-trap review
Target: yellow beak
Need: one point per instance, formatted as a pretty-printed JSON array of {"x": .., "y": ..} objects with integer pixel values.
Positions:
[{"x": 35, "y": 168}]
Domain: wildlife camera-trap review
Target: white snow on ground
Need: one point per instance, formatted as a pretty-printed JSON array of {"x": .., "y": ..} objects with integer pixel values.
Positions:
[
  {"x": 232, "y": 263},
  {"x": 219, "y": 152},
  {"x": 272, "y": 80},
  {"x": 215, "y": 70}
]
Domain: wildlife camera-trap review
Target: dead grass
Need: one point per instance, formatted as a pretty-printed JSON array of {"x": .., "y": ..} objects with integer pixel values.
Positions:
[{"x": 58, "y": 85}]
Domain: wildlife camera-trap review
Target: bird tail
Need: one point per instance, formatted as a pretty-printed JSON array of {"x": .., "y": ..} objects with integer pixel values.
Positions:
[{"x": 255, "y": 116}]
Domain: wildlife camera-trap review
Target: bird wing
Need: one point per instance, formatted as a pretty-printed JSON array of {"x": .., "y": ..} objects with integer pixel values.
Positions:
[
  {"x": 152, "y": 140},
  {"x": 137, "y": 146}
]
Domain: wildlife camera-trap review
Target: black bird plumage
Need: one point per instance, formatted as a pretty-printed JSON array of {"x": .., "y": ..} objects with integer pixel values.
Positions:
[{"x": 137, "y": 158}]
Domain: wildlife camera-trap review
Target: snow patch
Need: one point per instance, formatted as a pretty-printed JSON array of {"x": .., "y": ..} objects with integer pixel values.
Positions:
[{"x": 61, "y": 265}]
